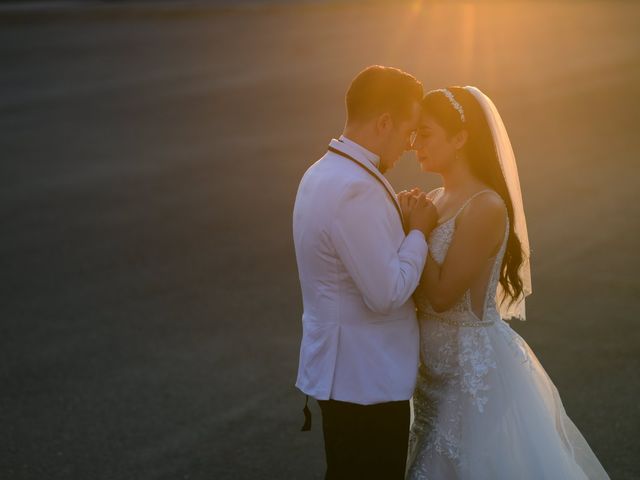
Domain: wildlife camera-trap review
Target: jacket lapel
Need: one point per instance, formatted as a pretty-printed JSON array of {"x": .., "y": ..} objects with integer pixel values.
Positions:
[{"x": 339, "y": 148}]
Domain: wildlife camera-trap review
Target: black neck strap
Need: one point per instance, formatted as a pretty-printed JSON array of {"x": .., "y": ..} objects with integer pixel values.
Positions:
[{"x": 391, "y": 196}]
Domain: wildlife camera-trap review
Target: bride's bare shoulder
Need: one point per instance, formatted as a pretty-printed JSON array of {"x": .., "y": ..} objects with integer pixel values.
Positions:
[{"x": 487, "y": 209}]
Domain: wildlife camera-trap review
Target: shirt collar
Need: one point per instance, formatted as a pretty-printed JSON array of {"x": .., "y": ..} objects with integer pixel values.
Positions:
[{"x": 360, "y": 151}]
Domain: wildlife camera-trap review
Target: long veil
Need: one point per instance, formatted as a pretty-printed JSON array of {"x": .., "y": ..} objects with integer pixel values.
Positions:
[{"x": 510, "y": 172}]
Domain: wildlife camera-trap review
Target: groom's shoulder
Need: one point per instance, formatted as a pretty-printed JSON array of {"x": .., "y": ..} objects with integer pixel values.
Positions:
[
  {"x": 338, "y": 171},
  {"x": 334, "y": 182}
]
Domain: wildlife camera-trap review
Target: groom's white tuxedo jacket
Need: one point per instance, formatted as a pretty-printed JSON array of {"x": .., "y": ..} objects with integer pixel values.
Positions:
[{"x": 357, "y": 270}]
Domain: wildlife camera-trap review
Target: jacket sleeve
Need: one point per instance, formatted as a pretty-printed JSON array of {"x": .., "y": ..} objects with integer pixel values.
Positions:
[{"x": 363, "y": 236}]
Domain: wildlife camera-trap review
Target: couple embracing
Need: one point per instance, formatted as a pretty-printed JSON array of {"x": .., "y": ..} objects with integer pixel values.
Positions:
[{"x": 407, "y": 296}]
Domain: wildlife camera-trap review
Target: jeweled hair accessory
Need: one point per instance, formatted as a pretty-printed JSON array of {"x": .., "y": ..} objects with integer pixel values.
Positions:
[{"x": 454, "y": 103}]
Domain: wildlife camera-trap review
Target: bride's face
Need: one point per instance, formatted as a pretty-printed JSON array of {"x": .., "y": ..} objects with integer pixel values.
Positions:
[{"x": 434, "y": 149}]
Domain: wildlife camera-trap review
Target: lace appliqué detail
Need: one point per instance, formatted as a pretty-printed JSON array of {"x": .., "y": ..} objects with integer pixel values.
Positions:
[
  {"x": 476, "y": 359},
  {"x": 454, "y": 366},
  {"x": 456, "y": 358}
]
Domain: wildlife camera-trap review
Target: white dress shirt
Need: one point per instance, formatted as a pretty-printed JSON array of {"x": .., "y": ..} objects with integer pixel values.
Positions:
[{"x": 357, "y": 271}]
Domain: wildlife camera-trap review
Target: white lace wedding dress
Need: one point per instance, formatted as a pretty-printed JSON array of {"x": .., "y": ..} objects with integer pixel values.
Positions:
[{"x": 484, "y": 408}]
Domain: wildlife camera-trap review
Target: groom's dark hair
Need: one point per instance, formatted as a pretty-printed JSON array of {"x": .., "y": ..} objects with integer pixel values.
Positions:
[{"x": 377, "y": 89}]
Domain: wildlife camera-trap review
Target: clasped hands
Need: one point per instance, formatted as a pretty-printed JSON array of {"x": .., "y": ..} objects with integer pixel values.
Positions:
[{"x": 418, "y": 211}]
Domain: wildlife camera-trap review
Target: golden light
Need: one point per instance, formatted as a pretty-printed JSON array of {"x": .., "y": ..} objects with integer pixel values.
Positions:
[{"x": 416, "y": 6}]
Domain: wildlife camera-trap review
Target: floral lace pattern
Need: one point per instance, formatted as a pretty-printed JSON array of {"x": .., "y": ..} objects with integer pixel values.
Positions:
[
  {"x": 456, "y": 357},
  {"x": 484, "y": 408}
]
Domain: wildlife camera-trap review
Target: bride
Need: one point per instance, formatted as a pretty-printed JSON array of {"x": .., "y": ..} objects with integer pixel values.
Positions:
[{"x": 484, "y": 408}]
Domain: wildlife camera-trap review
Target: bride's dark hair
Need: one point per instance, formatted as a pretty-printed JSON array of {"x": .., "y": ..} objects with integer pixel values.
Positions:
[{"x": 481, "y": 154}]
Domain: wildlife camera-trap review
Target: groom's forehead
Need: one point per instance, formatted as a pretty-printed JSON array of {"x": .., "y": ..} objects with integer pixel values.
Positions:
[{"x": 415, "y": 113}]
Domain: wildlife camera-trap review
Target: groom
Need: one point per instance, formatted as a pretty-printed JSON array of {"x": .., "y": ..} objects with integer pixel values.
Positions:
[{"x": 360, "y": 255}]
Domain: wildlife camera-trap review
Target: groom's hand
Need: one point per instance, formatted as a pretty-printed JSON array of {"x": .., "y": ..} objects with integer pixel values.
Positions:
[
  {"x": 423, "y": 215},
  {"x": 407, "y": 200}
]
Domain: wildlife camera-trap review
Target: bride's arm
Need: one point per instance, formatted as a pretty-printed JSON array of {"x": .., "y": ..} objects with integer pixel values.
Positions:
[{"x": 479, "y": 234}]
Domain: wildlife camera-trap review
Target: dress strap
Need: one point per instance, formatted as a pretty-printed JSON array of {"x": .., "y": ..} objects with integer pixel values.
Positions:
[{"x": 469, "y": 201}]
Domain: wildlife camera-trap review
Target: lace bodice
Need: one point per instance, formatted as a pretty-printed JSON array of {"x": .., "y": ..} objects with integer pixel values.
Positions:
[{"x": 461, "y": 312}]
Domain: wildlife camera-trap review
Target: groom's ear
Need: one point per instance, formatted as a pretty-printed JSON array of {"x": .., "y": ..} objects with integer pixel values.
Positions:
[{"x": 384, "y": 124}]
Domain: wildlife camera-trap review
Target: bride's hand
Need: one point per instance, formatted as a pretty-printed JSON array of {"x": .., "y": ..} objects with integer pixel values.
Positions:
[{"x": 407, "y": 200}]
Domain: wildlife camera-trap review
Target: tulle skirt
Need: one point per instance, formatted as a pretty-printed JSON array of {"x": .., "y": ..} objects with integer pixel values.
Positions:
[{"x": 485, "y": 409}]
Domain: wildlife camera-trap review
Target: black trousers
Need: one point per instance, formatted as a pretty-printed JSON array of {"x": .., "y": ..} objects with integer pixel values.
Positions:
[{"x": 365, "y": 441}]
